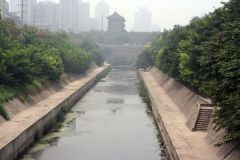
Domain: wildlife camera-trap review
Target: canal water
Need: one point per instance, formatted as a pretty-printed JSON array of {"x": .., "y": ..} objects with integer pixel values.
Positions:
[{"x": 111, "y": 122}]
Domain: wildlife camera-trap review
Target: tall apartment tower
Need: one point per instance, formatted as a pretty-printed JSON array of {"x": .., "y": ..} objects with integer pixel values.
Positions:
[
  {"x": 29, "y": 9},
  {"x": 2, "y": 8},
  {"x": 46, "y": 15},
  {"x": 14, "y": 6},
  {"x": 143, "y": 21},
  {"x": 101, "y": 14},
  {"x": 71, "y": 12},
  {"x": 64, "y": 15},
  {"x": 83, "y": 16}
]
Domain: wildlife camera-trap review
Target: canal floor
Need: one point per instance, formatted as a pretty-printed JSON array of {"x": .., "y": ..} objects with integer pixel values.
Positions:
[{"x": 111, "y": 122}]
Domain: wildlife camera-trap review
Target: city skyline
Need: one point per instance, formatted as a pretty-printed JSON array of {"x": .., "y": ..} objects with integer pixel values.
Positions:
[{"x": 165, "y": 13}]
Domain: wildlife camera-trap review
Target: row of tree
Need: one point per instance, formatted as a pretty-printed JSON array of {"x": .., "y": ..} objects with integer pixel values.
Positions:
[
  {"x": 205, "y": 56},
  {"x": 28, "y": 54}
]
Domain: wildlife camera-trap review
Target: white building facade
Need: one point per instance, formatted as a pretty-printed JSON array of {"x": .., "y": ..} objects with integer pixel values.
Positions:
[
  {"x": 67, "y": 15},
  {"x": 46, "y": 15},
  {"x": 143, "y": 21},
  {"x": 101, "y": 14},
  {"x": 83, "y": 16},
  {"x": 2, "y": 8}
]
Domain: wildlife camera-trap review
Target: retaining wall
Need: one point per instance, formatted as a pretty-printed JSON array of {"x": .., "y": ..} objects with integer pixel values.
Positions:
[
  {"x": 187, "y": 101},
  {"x": 184, "y": 98},
  {"x": 11, "y": 146}
]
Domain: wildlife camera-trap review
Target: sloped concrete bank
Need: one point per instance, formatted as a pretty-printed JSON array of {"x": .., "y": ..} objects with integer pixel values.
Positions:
[
  {"x": 176, "y": 110},
  {"x": 173, "y": 105},
  {"x": 18, "y": 104},
  {"x": 29, "y": 125}
]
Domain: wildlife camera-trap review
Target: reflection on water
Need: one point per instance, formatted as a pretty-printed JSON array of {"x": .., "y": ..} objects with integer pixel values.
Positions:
[{"x": 110, "y": 123}]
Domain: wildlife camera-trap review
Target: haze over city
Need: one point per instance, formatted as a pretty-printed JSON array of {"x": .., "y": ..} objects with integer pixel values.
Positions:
[
  {"x": 165, "y": 13},
  {"x": 119, "y": 79}
]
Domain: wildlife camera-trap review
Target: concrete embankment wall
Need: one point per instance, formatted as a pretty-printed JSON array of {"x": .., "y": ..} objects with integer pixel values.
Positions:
[
  {"x": 26, "y": 127},
  {"x": 17, "y": 105},
  {"x": 187, "y": 101}
]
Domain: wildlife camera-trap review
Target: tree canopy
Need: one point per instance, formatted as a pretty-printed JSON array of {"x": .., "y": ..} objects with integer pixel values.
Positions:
[
  {"x": 205, "y": 56},
  {"x": 28, "y": 55}
]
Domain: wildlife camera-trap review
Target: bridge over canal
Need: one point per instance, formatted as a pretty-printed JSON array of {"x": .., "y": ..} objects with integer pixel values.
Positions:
[{"x": 122, "y": 55}]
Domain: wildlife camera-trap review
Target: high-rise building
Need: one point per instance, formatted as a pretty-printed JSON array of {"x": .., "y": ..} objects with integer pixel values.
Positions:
[
  {"x": 83, "y": 16},
  {"x": 6, "y": 7},
  {"x": 68, "y": 15},
  {"x": 2, "y": 8},
  {"x": 143, "y": 21},
  {"x": 24, "y": 9},
  {"x": 14, "y": 6},
  {"x": 29, "y": 11},
  {"x": 116, "y": 23},
  {"x": 46, "y": 15},
  {"x": 64, "y": 14},
  {"x": 101, "y": 14}
]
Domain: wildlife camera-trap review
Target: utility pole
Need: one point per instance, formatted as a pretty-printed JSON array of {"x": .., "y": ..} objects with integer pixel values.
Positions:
[
  {"x": 21, "y": 10},
  {"x": 34, "y": 16},
  {"x": 22, "y": 5},
  {"x": 102, "y": 23}
]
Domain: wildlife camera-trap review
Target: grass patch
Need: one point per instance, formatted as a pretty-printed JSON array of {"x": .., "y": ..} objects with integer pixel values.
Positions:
[
  {"x": 7, "y": 93},
  {"x": 144, "y": 93},
  {"x": 3, "y": 112}
]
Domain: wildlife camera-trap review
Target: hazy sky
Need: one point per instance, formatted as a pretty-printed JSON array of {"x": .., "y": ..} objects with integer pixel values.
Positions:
[{"x": 166, "y": 13}]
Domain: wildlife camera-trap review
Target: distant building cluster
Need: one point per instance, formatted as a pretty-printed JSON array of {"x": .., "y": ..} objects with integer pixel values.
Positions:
[
  {"x": 67, "y": 15},
  {"x": 72, "y": 16},
  {"x": 143, "y": 22}
]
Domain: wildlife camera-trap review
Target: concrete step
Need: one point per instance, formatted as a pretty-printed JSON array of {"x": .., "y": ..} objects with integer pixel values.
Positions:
[
  {"x": 204, "y": 117},
  {"x": 201, "y": 126},
  {"x": 201, "y": 129},
  {"x": 207, "y": 113},
  {"x": 201, "y": 123}
]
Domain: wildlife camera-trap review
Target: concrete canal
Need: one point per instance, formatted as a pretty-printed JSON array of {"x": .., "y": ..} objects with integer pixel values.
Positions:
[{"x": 111, "y": 122}]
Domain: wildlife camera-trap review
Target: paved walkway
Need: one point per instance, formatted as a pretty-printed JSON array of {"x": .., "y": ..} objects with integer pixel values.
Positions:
[
  {"x": 187, "y": 144},
  {"x": 22, "y": 121}
]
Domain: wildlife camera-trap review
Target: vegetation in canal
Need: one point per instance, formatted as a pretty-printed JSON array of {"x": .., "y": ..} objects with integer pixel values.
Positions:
[
  {"x": 205, "y": 56},
  {"x": 31, "y": 57},
  {"x": 143, "y": 92},
  {"x": 103, "y": 74}
]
